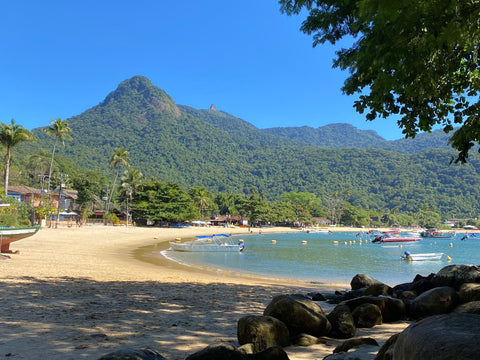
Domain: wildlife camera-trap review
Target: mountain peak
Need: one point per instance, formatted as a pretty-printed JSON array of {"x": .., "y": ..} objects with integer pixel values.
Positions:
[{"x": 141, "y": 90}]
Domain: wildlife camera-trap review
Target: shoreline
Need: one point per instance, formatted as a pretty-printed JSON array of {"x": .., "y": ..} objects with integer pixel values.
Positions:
[{"x": 82, "y": 293}]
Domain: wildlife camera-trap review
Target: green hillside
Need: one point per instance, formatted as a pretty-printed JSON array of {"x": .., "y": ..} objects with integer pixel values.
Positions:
[{"x": 225, "y": 154}]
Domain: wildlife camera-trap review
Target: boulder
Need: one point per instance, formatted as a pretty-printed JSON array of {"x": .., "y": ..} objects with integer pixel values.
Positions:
[
  {"x": 469, "y": 292},
  {"x": 440, "y": 300},
  {"x": 299, "y": 314},
  {"x": 272, "y": 353},
  {"x": 343, "y": 325},
  {"x": 386, "y": 351},
  {"x": 422, "y": 285},
  {"x": 400, "y": 288},
  {"x": 367, "y": 315},
  {"x": 392, "y": 309},
  {"x": 352, "y": 343},
  {"x": 472, "y": 307},
  {"x": 133, "y": 354},
  {"x": 262, "y": 331},
  {"x": 379, "y": 290},
  {"x": 440, "y": 337},
  {"x": 363, "y": 281},
  {"x": 456, "y": 275},
  {"x": 220, "y": 351},
  {"x": 305, "y": 340}
]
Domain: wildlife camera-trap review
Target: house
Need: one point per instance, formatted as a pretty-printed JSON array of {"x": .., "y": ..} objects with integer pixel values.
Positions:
[{"x": 34, "y": 196}]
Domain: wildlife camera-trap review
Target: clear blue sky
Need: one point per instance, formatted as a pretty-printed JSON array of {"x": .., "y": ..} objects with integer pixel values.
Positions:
[{"x": 59, "y": 58}]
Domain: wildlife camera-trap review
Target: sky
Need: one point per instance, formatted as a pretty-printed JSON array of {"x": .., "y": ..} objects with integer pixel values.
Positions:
[{"x": 59, "y": 58}]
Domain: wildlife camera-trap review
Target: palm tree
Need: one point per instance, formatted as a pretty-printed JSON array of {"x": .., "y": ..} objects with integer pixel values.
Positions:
[
  {"x": 119, "y": 157},
  {"x": 201, "y": 196},
  {"x": 61, "y": 131},
  {"x": 130, "y": 180},
  {"x": 11, "y": 135}
]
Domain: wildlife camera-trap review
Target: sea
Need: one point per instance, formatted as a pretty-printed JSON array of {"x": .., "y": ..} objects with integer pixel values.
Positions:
[{"x": 331, "y": 258}]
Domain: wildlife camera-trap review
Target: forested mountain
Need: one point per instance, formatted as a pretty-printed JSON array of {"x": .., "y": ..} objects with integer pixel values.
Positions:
[
  {"x": 214, "y": 149},
  {"x": 343, "y": 136}
]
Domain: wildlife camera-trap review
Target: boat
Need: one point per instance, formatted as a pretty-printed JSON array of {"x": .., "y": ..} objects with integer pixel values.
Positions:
[
  {"x": 209, "y": 243},
  {"x": 391, "y": 239},
  {"x": 421, "y": 257},
  {"x": 435, "y": 234},
  {"x": 11, "y": 234}
]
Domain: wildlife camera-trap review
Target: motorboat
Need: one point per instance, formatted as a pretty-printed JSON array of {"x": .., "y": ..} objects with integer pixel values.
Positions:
[
  {"x": 421, "y": 257},
  {"x": 209, "y": 243}
]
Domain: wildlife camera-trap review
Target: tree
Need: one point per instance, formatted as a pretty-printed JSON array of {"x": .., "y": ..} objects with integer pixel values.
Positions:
[
  {"x": 414, "y": 59},
  {"x": 118, "y": 158},
  {"x": 130, "y": 181},
  {"x": 60, "y": 129},
  {"x": 201, "y": 197},
  {"x": 10, "y": 136}
]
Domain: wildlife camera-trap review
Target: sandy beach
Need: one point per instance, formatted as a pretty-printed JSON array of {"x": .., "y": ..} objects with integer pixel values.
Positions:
[{"x": 80, "y": 293}]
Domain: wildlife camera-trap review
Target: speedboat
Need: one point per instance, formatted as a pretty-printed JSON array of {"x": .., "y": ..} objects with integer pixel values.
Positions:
[
  {"x": 421, "y": 257},
  {"x": 210, "y": 243}
]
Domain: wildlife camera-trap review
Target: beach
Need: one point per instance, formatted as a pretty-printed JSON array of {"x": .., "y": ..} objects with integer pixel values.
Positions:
[{"x": 80, "y": 293}]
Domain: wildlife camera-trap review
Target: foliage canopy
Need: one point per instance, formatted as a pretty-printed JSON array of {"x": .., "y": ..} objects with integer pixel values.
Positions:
[{"x": 414, "y": 59}]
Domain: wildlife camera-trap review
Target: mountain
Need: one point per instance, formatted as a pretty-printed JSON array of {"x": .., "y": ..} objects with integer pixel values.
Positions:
[
  {"x": 343, "y": 136},
  {"x": 214, "y": 149}
]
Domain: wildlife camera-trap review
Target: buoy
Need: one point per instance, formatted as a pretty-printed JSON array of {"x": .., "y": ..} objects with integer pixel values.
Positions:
[
  {"x": 451, "y": 245},
  {"x": 345, "y": 243},
  {"x": 304, "y": 241},
  {"x": 400, "y": 246},
  {"x": 449, "y": 258},
  {"x": 335, "y": 242},
  {"x": 274, "y": 241}
]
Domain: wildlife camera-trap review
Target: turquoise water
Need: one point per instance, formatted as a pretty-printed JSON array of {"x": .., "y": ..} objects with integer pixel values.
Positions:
[{"x": 315, "y": 257}]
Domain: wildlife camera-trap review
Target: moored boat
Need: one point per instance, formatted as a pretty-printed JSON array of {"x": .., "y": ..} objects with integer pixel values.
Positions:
[
  {"x": 9, "y": 235},
  {"x": 435, "y": 234},
  {"x": 421, "y": 257},
  {"x": 209, "y": 243},
  {"x": 391, "y": 239}
]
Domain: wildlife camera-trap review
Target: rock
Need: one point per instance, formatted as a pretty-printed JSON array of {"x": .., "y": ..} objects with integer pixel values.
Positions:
[
  {"x": 272, "y": 353},
  {"x": 299, "y": 314},
  {"x": 133, "y": 354},
  {"x": 379, "y": 290},
  {"x": 343, "y": 325},
  {"x": 347, "y": 295},
  {"x": 440, "y": 337},
  {"x": 408, "y": 295},
  {"x": 218, "y": 352},
  {"x": 392, "y": 309},
  {"x": 262, "y": 331},
  {"x": 456, "y": 275},
  {"x": 317, "y": 296},
  {"x": 386, "y": 351},
  {"x": 469, "y": 292},
  {"x": 363, "y": 352},
  {"x": 367, "y": 315},
  {"x": 472, "y": 307},
  {"x": 351, "y": 343},
  {"x": 400, "y": 288},
  {"x": 362, "y": 281},
  {"x": 422, "y": 285},
  {"x": 305, "y": 340},
  {"x": 440, "y": 300}
]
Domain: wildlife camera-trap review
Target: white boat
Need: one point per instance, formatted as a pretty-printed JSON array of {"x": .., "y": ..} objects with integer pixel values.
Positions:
[
  {"x": 210, "y": 243},
  {"x": 422, "y": 257}
]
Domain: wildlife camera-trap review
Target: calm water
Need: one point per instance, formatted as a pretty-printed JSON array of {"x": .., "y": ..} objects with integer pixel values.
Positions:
[{"x": 319, "y": 259}]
